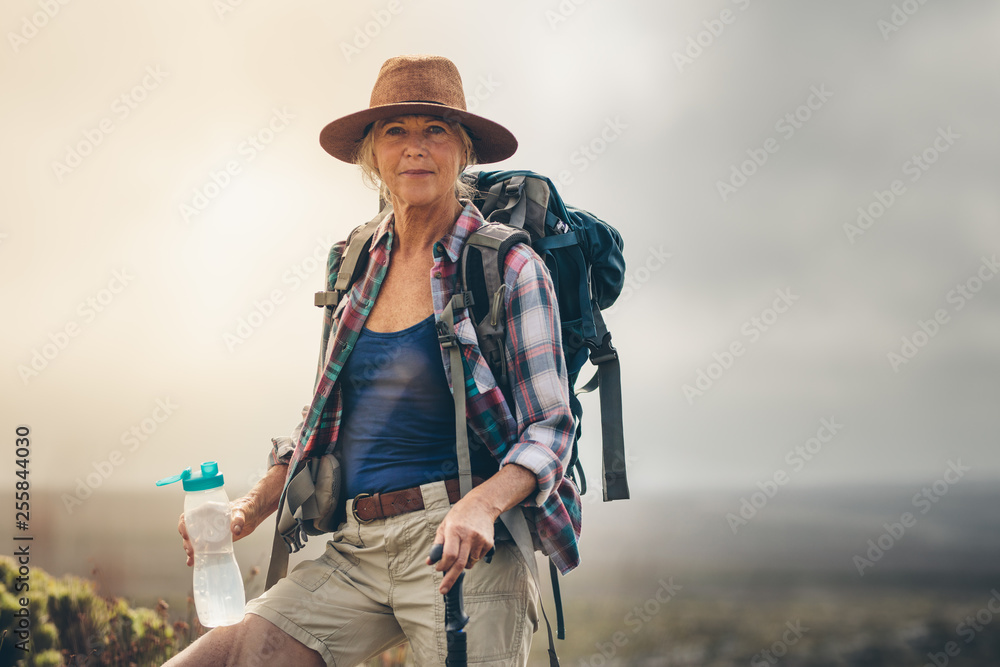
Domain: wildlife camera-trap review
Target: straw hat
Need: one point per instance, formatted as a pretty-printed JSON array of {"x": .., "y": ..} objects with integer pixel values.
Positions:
[{"x": 426, "y": 85}]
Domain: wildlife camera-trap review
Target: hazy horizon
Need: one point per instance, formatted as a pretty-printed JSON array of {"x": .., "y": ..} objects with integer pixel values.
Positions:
[{"x": 158, "y": 299}]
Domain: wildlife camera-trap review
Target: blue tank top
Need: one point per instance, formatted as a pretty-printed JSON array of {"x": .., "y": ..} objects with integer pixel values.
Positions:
[{"x": 398, "y": 425}]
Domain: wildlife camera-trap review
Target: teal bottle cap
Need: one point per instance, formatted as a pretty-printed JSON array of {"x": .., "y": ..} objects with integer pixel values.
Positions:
[{"x": 207, "y": 478}]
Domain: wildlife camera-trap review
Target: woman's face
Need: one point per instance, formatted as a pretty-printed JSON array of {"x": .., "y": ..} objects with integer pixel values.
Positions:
[{"x": 418, "y": 158}]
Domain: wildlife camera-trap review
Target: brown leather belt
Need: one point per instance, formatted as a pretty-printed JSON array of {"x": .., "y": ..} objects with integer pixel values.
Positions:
[{"x": 369, "y": 507}]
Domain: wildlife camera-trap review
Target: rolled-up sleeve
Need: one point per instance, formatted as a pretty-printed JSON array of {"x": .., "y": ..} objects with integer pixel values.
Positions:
[
  {"x": 537, "y": 376},
  {"x": 283, "y": 445}
]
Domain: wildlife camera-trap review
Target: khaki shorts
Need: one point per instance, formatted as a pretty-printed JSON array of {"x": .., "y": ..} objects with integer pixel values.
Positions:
[{"x": 372, "y": 590}]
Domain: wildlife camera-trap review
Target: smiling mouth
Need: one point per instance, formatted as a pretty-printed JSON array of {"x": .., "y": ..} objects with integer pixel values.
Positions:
[{"x": 416, "y": 172}]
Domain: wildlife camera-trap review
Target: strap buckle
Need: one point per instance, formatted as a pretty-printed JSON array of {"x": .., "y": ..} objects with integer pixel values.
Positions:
[
  {"x": 354, "y": 508},
  {"x": 321, "y": 299},
  {"x": 446, "y": 335},
  {"x": 294, "y": 537},
  {"x": 606, "y": 352}
]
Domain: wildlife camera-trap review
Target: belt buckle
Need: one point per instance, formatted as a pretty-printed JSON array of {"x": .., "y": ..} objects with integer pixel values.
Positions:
[{"x": 354, "y": 508}]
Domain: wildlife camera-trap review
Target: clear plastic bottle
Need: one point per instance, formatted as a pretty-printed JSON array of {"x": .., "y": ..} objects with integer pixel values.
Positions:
[{"x": 219, "y": 596}]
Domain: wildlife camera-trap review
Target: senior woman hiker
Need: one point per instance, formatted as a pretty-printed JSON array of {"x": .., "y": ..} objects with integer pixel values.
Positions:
[{"x": 384, "y": 404}]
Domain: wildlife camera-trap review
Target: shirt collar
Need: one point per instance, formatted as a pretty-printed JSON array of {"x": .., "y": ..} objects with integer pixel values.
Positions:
[
  {"x": 469, "y": 220},
  {"x": 384, "y": 229}
]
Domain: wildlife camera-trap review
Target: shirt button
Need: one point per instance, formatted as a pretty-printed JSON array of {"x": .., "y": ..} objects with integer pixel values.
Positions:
[
  {"x": 438, "y": 249},
  {"x": 437, "y": 274}
]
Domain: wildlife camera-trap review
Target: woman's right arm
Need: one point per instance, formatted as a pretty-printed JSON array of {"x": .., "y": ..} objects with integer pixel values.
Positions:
[{"x": 249, "y": 511}]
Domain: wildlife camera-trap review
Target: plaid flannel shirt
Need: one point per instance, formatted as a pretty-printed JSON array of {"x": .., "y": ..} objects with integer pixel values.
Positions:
[{"x": 540, "y": 438}]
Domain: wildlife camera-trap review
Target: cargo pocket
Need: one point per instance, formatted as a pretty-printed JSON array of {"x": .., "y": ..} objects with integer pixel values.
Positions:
[
  {"x": 501, "y": 607},
  {"x": 312, "y": 574}
]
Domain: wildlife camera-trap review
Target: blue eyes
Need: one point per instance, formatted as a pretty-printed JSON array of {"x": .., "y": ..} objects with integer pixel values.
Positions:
[{"x": 398, "y": 131}]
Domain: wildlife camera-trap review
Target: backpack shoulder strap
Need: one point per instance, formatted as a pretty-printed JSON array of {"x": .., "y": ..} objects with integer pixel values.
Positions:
[
  {"x": 481, "y": 272},
  {"x": 608, "y": 379},
  {"x": 352, "y": 262}
]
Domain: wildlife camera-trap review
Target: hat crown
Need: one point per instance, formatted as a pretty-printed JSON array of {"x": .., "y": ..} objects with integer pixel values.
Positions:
[{"x": 419, "y": 79}]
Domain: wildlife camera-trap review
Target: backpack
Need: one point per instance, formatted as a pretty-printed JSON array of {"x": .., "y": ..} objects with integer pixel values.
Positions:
[{"x": 584, "y": 257}]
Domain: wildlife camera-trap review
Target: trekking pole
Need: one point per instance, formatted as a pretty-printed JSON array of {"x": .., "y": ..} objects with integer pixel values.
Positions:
[{"x": 455, "y": 618}]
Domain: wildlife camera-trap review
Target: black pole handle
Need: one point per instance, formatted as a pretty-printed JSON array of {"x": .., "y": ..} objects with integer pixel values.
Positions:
[{"x": 455, "y": 618}]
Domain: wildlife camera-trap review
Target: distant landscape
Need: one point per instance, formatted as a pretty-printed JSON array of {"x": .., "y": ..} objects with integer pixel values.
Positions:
[{"x": 665, "y": 581}]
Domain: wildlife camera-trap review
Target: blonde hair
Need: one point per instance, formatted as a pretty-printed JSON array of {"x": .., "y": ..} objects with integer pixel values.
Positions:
[{"x": 364, "y": 157}]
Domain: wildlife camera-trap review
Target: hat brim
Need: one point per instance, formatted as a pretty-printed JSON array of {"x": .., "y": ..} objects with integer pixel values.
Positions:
[{"x": 492, "y": 141}]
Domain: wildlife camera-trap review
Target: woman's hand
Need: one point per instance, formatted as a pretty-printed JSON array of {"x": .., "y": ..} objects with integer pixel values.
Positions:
[
  {"x": 467, "y": 529},
  {"x": 248, "y": 512},
  {"x": 467, "y": 535}
]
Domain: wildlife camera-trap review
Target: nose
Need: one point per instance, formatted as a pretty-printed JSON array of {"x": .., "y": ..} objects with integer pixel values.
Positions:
[{"x": 415, "y": 145}]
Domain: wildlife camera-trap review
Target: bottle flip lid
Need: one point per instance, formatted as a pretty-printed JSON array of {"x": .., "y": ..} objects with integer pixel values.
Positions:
[{"x": 208, "y": 477}]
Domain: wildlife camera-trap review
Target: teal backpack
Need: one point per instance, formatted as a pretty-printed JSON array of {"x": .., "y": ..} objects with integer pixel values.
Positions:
[{"x": 584, "y": 257}]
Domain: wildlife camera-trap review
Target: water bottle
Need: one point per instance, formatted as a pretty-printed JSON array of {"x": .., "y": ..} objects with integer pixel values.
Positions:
[{"x": 218, "y": 586}]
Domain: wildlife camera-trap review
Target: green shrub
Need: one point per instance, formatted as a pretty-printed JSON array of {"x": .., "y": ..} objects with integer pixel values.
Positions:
[{"x": 70, "y": 624}]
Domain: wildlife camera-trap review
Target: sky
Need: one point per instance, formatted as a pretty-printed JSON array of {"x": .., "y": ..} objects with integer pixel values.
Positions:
[{"x": 807, "y": 193}]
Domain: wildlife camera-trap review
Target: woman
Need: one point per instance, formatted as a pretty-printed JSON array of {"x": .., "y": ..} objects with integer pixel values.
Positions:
[{"x": 383, "y": 398}]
